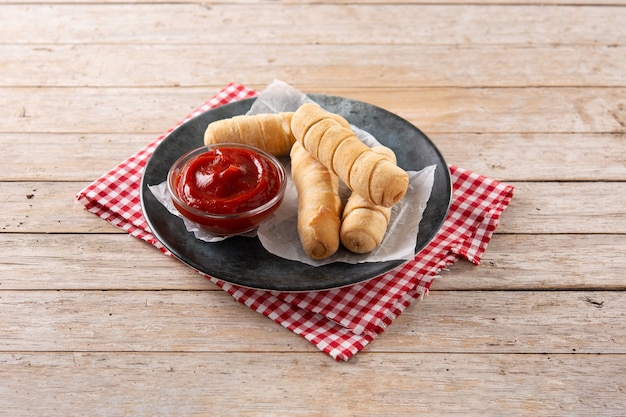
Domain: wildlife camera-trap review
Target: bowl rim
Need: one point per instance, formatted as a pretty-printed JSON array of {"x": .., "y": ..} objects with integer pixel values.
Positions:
[{"x": 282, "y": 173}]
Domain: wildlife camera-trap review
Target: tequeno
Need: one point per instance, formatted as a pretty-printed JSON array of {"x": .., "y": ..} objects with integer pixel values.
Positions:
[
  {"x": 270, "y": 132},
  {"x": 364, "y": 224},
  {"x": 364, "y": 171},
  {"x": 319, "y": 205}
]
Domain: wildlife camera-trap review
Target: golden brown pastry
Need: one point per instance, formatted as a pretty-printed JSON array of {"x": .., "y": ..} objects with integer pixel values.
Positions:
[
  {"x": 365, "y": 172},
  {"x": 364, "y": 224},
  {"x": 319, "y": 205},
  {"x": 270, "y": 132},
  {"x": 318, "y": 121}
]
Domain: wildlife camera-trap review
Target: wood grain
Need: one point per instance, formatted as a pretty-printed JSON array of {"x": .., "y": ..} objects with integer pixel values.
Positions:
[
  {"x": 254, "y": 23},
  {"x": 542, "y": 262},
  {"x": 538, "y": 156},
  {"x": 190, "y": 321},
  {"x": 434, "y": 110},
  {"x": 95, "y": 322},
  {"x": 513, "y": 262},
  {"x": 439, "y": 65},
  {"x": 339, "y": 2},
  {"x": 281, "y": 385},
  {"x": 538, "y": 207}
]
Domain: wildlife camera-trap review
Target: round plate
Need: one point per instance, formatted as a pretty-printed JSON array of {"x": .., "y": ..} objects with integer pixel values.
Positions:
[{"x": 243, "y": 260}]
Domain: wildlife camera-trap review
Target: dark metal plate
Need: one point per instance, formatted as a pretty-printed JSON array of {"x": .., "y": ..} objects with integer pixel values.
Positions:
[{"x": 244, "y": 261}]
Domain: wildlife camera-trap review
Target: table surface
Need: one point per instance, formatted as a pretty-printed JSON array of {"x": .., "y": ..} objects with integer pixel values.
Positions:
[{"x": 95, "y": 322}]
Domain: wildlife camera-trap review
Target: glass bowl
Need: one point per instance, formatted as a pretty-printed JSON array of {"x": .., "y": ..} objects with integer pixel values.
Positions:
[{"x": 227, "y": 221}]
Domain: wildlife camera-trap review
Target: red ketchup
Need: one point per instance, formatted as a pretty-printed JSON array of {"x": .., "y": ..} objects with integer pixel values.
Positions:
[{"x": 227, "y": 181}]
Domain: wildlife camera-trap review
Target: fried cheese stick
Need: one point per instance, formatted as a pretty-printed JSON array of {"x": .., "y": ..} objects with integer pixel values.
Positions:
[
  {"x": 319, "y": 205},
  {"x": 364, "y": 224},
  {"x": 270, "y": 132},
  {"x": 365, "y": 172}
]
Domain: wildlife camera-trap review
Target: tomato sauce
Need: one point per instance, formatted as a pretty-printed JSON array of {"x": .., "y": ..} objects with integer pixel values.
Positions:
[{"x": 227, "y": 180}]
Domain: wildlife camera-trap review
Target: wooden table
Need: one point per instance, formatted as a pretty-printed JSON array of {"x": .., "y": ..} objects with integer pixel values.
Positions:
[{"x": 94, "y": 322}]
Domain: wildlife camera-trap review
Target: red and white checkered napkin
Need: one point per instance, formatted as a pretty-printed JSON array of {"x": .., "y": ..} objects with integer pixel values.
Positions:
[{"x": 340, "y": 322}]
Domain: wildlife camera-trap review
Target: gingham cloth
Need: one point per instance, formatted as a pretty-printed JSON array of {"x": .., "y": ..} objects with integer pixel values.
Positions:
[{"x": 340, "y": 322}]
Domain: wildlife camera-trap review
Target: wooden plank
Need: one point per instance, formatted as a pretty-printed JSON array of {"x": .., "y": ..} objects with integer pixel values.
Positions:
[
  {"x": 211, "y": 321},
  {"x": 371, "y": 385},
  {"x": 537, "y": 157},
  {"x": 538, "y": 207},
  {"x": 93, "y": 261},
  {"x": 512, "y": 262},
  {"x": 290, "y": 3},
  {"x": 517, "y": 321},
  {"x": 434, "y": 110},
  {"x": 330, "y": 23},
  {"x": 98, "y": 65},
  {"x": 49, "y": 207},
  {"x": 65, "y": 157},
  {"x": 563, "y": 207},
  {"x": 543, "y": 262},
  {"x": 137, "y": 320},
  {"x": 92, "y": 110}
]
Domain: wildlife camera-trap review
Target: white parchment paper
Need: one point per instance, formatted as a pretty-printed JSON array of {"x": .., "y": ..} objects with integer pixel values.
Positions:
[{"x": 279, "y": 234}]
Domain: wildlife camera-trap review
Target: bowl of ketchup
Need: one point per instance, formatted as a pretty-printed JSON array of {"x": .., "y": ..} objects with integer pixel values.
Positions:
[{"x": 227, "y": 189}]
